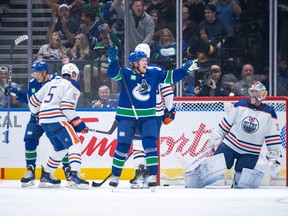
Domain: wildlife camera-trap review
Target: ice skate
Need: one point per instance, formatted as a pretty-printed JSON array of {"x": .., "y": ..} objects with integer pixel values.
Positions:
[
  {"x": 138, "y": 181},
  {"x": 67, "y": 172},
  {"x": 151, "y": 182},
  {"x": 114, "y": 182},
  {"x": 47, "y": 180},
  {"x": 29, "y": 177},
  {"x": 76, "y": 181}
]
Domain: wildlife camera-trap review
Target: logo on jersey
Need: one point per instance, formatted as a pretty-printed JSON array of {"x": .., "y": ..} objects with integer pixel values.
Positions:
[
  {"x": 250, "y": 125},
  {"x": 141, "y": 91}
]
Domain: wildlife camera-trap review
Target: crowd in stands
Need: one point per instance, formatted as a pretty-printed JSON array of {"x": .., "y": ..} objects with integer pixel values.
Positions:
[{"x": 84, "y": 29}]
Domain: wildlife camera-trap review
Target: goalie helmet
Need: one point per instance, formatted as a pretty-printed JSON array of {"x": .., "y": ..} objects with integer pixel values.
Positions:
[
  {"x": 39, "y": 66},
  {"x": 257, "y": 91},
  {"x": 136, "y": 56},
  {"x": 69, "y": 69},
  {"x": 143, "y": 47}
]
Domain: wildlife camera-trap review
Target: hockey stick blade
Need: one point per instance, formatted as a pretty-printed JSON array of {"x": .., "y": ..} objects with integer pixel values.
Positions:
[
  {"x": 111, "y": 131},
  {"x": 20, "y": 39},
  {"x": 95, "y": 184}
]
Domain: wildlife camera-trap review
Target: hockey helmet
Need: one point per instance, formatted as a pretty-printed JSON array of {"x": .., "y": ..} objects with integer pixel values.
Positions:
[
  {"x": 144, "y": 48},
  {"x": 136, "y": 56},
  {"x": 69, "y": 69},
  {"x": 39, "y": 66},
  {"x": 257, "y": 91}
]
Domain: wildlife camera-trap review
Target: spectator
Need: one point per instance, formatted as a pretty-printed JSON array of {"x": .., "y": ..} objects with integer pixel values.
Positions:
[
  {"x": 141, "y": 29},
  {"x": 90, "y": 26},
  {"x": 102, "y": 79},
  {"x": 166, "y": 49},
  {"x": 159, "y": 25},
  {"x": 190, "y": 28},
  {"x": 227, "y": 10},
  {"x": 96, "y": 7},
  {"x": 213, "y": 85},
  {"x": 219, "y": 32},
  {"x": 113, "y": 20},
  {"x": 241, "y": 87},
  {"x": 166, "y": 9},
  {"x": 3, "y": 85},
  {"x": 196, "y": 10},
  {"x": 66, "y": 27},
  {"x": 189, "y": 87},
  {"x": 55, "y": 49},
  {"x": 81, "y": 49},
  {"x": 104, "y": 100}
]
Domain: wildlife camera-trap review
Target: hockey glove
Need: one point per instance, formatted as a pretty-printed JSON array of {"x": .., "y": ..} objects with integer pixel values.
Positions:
[
  {"x": 79, "y": 126},
  {"x": 274, "y": 159},
  {"x": 14, "y": 90},
  {"x": 169, "y": 116},
  {"x": 191, "y": 66},
  {"x": 112, "y": 54}
]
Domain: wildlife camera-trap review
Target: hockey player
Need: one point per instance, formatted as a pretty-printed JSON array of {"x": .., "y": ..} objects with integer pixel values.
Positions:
[
  {"x": 164, "y": 91},
  {"x": 34, "y": 131},
  {"x": 241, "y": 134},
  {"x": 137, "y": 107},
  {"x": 55, "y": 105}
]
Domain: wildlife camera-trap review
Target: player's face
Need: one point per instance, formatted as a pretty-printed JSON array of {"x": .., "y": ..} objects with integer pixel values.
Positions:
[
  {"x": 142, "y": 65},
  {"x": 38, "y": 76},
  {"x": 255, "y": 97}
]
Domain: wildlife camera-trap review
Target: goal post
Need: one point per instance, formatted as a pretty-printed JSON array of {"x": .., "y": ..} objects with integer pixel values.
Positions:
[{"x": 184, "y": 140}]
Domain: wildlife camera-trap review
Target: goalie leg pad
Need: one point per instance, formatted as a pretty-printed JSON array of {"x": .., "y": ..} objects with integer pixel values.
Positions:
[
  {"x": 209, "y": 171},
  {"x": 250, "y": 178}
]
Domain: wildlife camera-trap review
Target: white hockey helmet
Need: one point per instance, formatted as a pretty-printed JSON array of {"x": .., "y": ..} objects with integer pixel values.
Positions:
[
  {"x": 144, "y": 48},
  {"x": 257, "y": 91},
  {"x": 70, "y": 68}
]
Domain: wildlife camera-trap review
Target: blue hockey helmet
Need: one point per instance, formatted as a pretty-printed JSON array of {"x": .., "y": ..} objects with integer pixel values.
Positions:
[
  {"x": 39, "y": 66},
  {"x": 136, "y": 56}
]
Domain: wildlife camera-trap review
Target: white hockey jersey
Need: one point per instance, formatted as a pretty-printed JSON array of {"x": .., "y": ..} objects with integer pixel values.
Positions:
[
  {"x": 247, "y": 128},
  {"x": 56, "y": 101}
]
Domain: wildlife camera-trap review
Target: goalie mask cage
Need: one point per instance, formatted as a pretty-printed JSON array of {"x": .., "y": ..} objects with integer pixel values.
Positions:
[{"x": 189, "y": 133}]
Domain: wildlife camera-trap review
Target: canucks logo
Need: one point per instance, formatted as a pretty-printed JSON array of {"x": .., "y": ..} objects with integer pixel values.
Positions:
[
  {"x": 250, "y": 125},
  {"x": 141, "y": 91}
]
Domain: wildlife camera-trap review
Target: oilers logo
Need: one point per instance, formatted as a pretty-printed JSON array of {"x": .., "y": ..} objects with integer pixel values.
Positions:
[
  {"x": 250, "y": 125},
  {"x": 141, "y": 91}
]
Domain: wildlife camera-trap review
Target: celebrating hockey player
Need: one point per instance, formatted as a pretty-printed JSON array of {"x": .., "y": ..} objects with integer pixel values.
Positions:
[
  {"x": 162, "y": 109},
  {"x": 55, "y": 105},
  {"x": 137, "y": 107},
  {"x": 242, "y": 133},
  {"x": 33, "y": 131}
]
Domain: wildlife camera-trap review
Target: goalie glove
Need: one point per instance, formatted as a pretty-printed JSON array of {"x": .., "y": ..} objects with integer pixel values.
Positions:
[
  {"x": 79, "y": 126},
  {"x": 169, "y": 116},
  {"x": 191, "y": 66}
]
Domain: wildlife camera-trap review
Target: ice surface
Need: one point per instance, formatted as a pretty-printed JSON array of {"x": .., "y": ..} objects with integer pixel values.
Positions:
[{"x": 123, "y": 201}]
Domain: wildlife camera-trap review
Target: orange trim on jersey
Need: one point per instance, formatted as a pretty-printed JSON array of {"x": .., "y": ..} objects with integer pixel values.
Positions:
[
  {"x": 34, "y": 101},
  {"x": 242, "y": 145},
  {"x": 225, "y": 125},
  {"x": 50, "y": 113},
  {"x": 72, "y": 132},
  {"x": 273, "y": 140},
  {"x": 67, "y": 105}
]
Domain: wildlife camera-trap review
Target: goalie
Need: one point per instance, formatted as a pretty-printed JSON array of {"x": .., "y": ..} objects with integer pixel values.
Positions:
[{"x": 241, "y": 135}]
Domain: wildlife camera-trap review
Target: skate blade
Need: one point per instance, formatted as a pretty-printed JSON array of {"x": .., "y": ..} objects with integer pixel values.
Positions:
[
  {"x": 48, "y": 185},
  {"x": 77, "y": 186},
  {"x": 28, "y": 184}
]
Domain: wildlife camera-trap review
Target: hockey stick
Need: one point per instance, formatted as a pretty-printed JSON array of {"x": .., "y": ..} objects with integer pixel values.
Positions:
[
  {"x": 16, "y": 42},
  {"x": 127, "y": 91},
  {"x": 95, "y": 184},
  {"x": 111, "y": 131}
]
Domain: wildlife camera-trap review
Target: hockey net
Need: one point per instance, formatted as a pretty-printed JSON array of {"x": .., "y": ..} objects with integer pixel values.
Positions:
[{"x": 183, "y": 141}]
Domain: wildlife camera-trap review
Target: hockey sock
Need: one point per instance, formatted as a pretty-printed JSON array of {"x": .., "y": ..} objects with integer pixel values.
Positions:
[
  {"x": 149, "y": 144},
  {"x": 54, "y": 160},
  {"x": 74, "y": 156},
  {"x": 138, "y": 154},
  {"x": 119, "y": 158}
]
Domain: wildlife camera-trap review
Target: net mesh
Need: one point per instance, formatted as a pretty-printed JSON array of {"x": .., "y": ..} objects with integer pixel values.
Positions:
[{"x": 202, "y": 113}]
